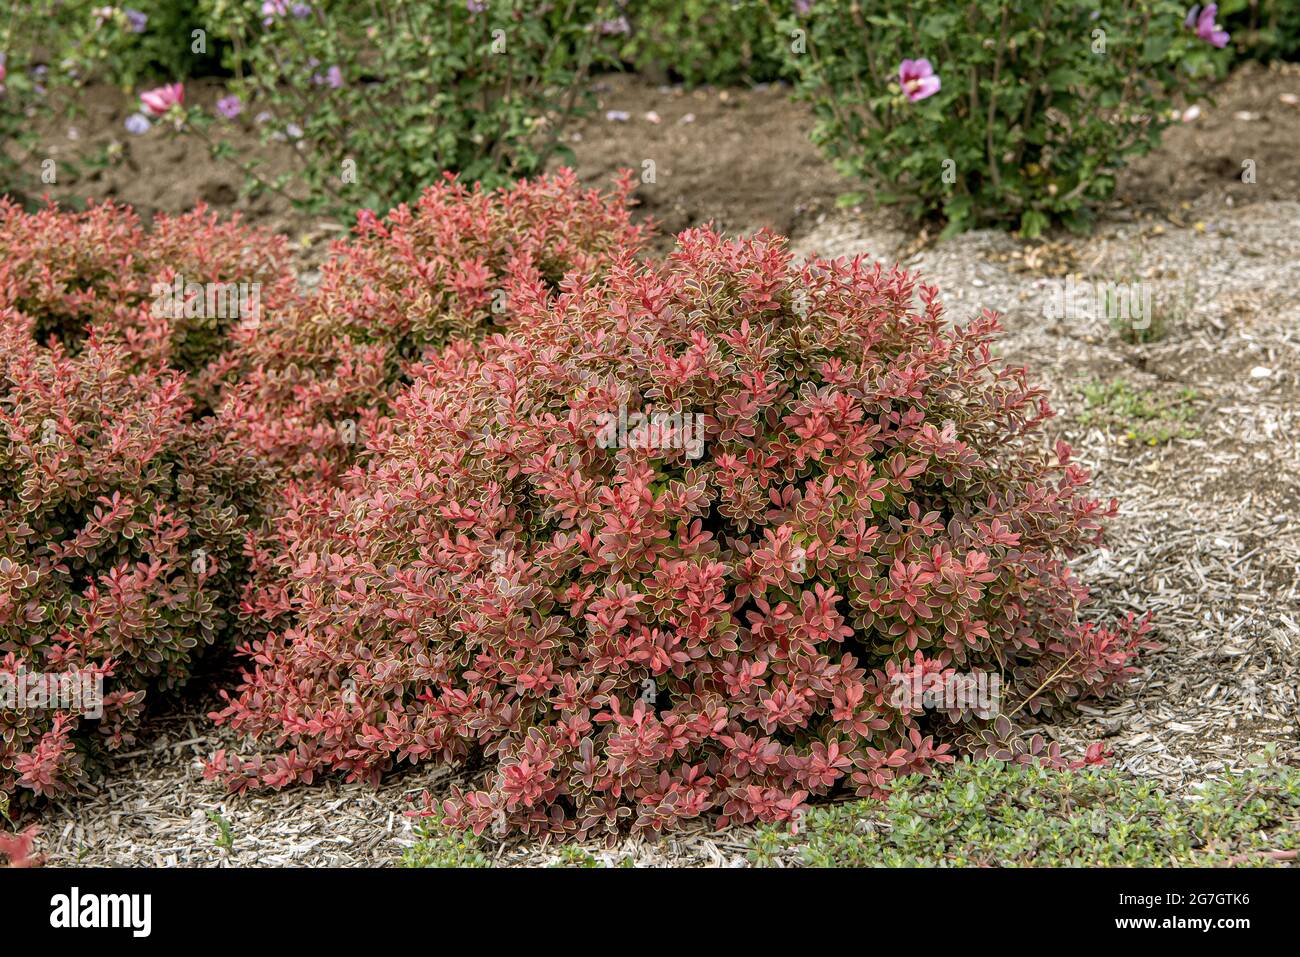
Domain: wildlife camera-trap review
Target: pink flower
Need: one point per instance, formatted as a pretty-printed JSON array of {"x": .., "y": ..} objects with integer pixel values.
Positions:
[
  {"x": 917, "y": 79},
  {"x": 159, "y": 101},
  {"x": 1205, "y": 26}
]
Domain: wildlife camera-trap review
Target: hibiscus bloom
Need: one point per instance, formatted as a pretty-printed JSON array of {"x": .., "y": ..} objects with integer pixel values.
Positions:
[
  {"x": 918, "y": 79},
  {"x": 158, "y": 101},
  {"x": 230, "y": 106},
  {"x": 1202, "y": 21}
]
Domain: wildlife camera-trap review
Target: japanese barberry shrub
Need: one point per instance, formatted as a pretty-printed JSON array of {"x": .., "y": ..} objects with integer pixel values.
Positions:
[
  {"x": 635, "y": 622},
  {"x": 16, "y": 848},
  {"x": 309, "y": 385},
  {"x": 122, "y": 523},
  {"x": 994, "y": 112},
  {"x": 101, "y": 267}
]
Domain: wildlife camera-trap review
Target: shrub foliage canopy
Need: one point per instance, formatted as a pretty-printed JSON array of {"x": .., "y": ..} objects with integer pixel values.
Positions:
[{"x": 815, "y": 483}]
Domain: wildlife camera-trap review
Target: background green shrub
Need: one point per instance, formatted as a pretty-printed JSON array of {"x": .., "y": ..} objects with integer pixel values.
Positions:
[
  {"x": 27, "y": 34},
  {"x": 706, "y": 41},
  {"x": 1040, "y": 103},
  {"x": 382, "y": 98},
  {"x": 153, "y": 40},
  {"x": 1263, "y": 29}
]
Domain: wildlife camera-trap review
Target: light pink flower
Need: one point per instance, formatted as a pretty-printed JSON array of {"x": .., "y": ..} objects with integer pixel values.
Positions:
[
  {"x": 159, "y": 101},
  {"x": 918, "y": 80},
  {"x": 1204, "y": 25},
  {"x": 230, "y": 106}
]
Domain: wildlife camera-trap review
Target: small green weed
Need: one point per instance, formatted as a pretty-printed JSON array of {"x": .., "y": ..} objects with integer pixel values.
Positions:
[
  {"x": 1139, "y": 415},
  {"x": 226, "y": 841}
]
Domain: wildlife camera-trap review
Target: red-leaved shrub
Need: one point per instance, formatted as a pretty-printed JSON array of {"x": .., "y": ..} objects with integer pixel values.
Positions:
[
  {"x": 313, "y": 381},
  {"x": 16, "y": 849},
  {"x": 73, "y": 270},
  {"x": 122, "y": 524},
  {"x": 634, "y": 628}
]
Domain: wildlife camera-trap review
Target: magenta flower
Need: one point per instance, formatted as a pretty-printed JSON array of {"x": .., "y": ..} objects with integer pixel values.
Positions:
[
  {"x": 230, "y": 106},
  {"x": 159, "y": 101},
  {"x": 918, "y": 80},
  {"x": 1204, "y": 25}
]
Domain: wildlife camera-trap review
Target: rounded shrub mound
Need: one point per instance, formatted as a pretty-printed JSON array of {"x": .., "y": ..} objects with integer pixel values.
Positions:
[
  {"x": 313, "y": 382},
  {"x": 995, "y": 112},
  {"x": 663, "y": 550},
  {"x": 122, "y": 524},
  {"x": 70, "y": 271}
]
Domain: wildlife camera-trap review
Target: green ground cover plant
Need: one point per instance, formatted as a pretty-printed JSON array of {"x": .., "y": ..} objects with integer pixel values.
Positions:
[{"x": 982, "y": 814}]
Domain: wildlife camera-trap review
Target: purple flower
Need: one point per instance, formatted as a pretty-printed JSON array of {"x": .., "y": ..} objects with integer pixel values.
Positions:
[
  {"x": 135, "y": 20},
  {"x": 917, "y": 79},
  {"x": 617, "y": 116},
  {"x": 39, "y": 73},
  {"x": 475, "y": 6},
  {"x": 618, "y": 25},
  {"x": 279, "y": 8},
  {"x": 137, "y": 124},
  {"x": 230, "y": 106},
  {"x": 292, "y": 131},
  {"x": 802, "y": 6},
  {"x": 1205, "y": 26},
  {"x": 333, "y": 77}
]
